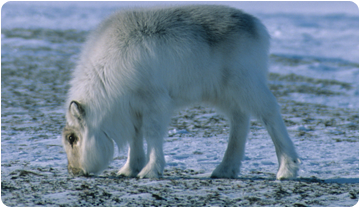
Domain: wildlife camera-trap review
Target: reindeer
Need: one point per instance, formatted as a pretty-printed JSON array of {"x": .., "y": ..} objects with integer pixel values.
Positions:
[{"x": 141, "y": 65}]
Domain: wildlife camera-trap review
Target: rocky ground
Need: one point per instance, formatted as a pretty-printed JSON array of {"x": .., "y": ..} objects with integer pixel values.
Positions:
[{"x": 34, "y": 85}]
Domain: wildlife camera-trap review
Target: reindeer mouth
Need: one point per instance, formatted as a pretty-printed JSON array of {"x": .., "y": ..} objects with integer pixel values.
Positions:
[{"x": 76, "y": 171}]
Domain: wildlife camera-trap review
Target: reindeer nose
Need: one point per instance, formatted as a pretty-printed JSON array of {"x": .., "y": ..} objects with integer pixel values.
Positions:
[{"x": 75, "y": 171}]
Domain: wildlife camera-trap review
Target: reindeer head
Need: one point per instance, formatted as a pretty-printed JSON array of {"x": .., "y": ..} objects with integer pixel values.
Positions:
[{"x": 88, "y": 148}]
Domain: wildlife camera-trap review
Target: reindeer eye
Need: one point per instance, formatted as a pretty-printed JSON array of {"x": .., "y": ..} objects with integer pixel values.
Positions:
[{"x": 72, "y": 139}]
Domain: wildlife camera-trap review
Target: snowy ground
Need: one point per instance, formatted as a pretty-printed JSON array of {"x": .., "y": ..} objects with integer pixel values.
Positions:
[{"x": 314, "y": 74}]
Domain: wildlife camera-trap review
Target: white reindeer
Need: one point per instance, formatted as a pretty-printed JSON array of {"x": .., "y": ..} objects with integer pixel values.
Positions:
[{"x": 141, "y": 65}]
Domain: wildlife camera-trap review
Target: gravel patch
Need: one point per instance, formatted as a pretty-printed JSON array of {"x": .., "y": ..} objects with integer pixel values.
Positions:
[{"x": 183, "y": 188}]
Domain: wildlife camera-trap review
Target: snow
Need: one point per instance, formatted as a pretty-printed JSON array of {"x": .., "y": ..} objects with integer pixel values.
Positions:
[{"x": 325, "y": 35}]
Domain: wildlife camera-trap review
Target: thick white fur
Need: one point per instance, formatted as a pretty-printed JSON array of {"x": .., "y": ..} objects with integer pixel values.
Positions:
[{"x": 132, "y": 76}]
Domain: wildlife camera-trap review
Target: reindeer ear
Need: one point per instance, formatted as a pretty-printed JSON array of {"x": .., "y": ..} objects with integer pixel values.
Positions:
[{"x": 76, "y": 110}]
